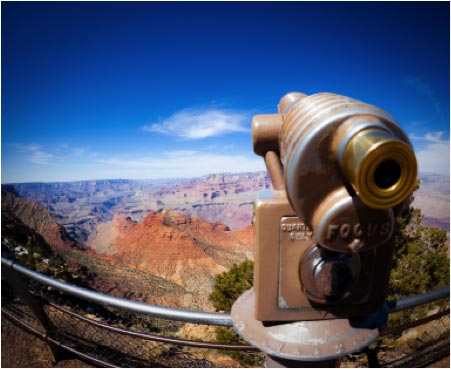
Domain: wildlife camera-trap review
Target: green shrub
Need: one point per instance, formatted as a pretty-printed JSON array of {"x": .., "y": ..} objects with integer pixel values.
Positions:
[
  {"x": 228, "y": 286},
  {"x": 420, "y": 263}
]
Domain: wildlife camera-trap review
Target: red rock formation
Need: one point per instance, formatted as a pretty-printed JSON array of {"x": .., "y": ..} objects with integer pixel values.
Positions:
[
  {"x": 103, "y": 238},
  {"x": 184, "y": 250}
]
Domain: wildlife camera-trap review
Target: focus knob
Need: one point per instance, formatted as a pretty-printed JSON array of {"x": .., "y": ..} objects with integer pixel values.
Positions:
[{"x": 328, "y": 276}]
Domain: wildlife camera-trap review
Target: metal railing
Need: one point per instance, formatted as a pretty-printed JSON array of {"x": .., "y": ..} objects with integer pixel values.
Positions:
[
  {"x": 190, "y": 316},
  {"x": 73, "y": 327},
  {"x": 410, "y": 302}
]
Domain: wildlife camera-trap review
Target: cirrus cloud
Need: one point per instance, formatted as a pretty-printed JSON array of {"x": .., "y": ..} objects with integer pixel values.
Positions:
[
  {"x": 34, "y": 153},
  {"x": 178, "y": 163},
  {"x": 433, "y": 155},
  {"x": 194, "y": 124},
  {"x": 425, "y": 89}
]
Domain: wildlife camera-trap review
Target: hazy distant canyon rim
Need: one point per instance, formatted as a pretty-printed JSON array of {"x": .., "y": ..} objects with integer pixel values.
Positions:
[{"x": 87, "y": 208}]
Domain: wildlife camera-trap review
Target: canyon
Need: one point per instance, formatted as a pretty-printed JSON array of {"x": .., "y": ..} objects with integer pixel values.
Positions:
[
  {"x": 169, "y": 258},
  {"x": 84, "y": 207},
  {"x": 158, "y": 241}
]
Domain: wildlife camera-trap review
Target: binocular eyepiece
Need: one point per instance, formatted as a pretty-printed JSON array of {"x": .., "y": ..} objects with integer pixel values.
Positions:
[
  {"x": 380, "y": 167},
  {"x": 373, "y": 153},
  {"x": 341, "y": 159}
]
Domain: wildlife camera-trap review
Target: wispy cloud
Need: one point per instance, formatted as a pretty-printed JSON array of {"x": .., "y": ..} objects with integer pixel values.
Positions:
[
  {"x": 419, "y": 85},
  {"x": 433, "y": 156},
  {"x": 79, "y": 151},
  {"x": 426, "y": 90},
  {"x": 25, "y": 163},
  {"x": 435, "y": 137},
  {"x": 193, "y": 124},
  {"x": 181, "y": 164},
  {"x": 67, "y": 149},
  {"x": 34, "y": 153}
]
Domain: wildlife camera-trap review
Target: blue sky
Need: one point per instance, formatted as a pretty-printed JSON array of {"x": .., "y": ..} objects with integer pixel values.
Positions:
[{"x": 157, "y": 90}]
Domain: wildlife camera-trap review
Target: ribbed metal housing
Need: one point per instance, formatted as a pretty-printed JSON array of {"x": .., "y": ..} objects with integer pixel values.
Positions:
[{"x": 307, "y": 137}]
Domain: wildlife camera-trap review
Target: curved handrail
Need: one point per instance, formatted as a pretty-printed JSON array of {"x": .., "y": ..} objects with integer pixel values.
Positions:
[
  {"x": 412, "y": 301},
  {"x": 190, "y": 316},
  {"x": 164, "y": 312}
]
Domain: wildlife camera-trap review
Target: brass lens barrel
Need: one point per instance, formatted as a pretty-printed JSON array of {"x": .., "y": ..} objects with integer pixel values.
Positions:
[
  {"x": 381, "y": 168},
  {"x": 373, "y": 153}
]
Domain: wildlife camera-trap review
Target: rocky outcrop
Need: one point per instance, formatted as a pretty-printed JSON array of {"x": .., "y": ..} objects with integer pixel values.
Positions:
[
  {"x": 178, "y": 248},
  {"x": 39, "y": 219},
  {"x": 102, "y": 239}
]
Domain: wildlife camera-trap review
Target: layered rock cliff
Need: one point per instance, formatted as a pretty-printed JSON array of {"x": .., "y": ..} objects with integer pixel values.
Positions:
[
  {"x": 39, "y": 219},
  {"x": 184, "y": 250}
]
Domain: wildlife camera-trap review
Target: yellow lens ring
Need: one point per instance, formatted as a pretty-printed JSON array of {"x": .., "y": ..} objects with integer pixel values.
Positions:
[{"x": 400, "y": 187}]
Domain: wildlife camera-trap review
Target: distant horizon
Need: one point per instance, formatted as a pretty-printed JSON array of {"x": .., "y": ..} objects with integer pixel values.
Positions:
[
  {"x": 169, "y": 89},
  {"x": 176, "y": 178},
  {"x": 142, "y": 179}
]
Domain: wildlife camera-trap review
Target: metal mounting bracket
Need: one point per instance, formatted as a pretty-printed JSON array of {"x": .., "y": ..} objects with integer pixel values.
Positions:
[{"x": 315, "y": 340}]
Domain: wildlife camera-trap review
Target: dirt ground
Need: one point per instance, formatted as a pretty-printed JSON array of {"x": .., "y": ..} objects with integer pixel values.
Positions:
[
  {"x": 23, "y": 350},
  {"x": 443, "y": 363}
]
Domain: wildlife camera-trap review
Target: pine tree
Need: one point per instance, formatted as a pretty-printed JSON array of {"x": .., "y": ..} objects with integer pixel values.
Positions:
[
  {"x": 228, "y": 286},
  {"x": 420, "y": 261}
]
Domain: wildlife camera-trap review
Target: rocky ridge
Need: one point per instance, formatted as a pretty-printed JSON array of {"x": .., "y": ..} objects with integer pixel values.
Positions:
[
  {"x": 39, "y": 219},
  {"x": 185, "y": 250},
  {"x": 433, "y": 199}
]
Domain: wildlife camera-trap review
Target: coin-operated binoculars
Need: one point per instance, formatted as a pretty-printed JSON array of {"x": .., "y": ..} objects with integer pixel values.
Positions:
[{"x": 323, "y": 239}]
